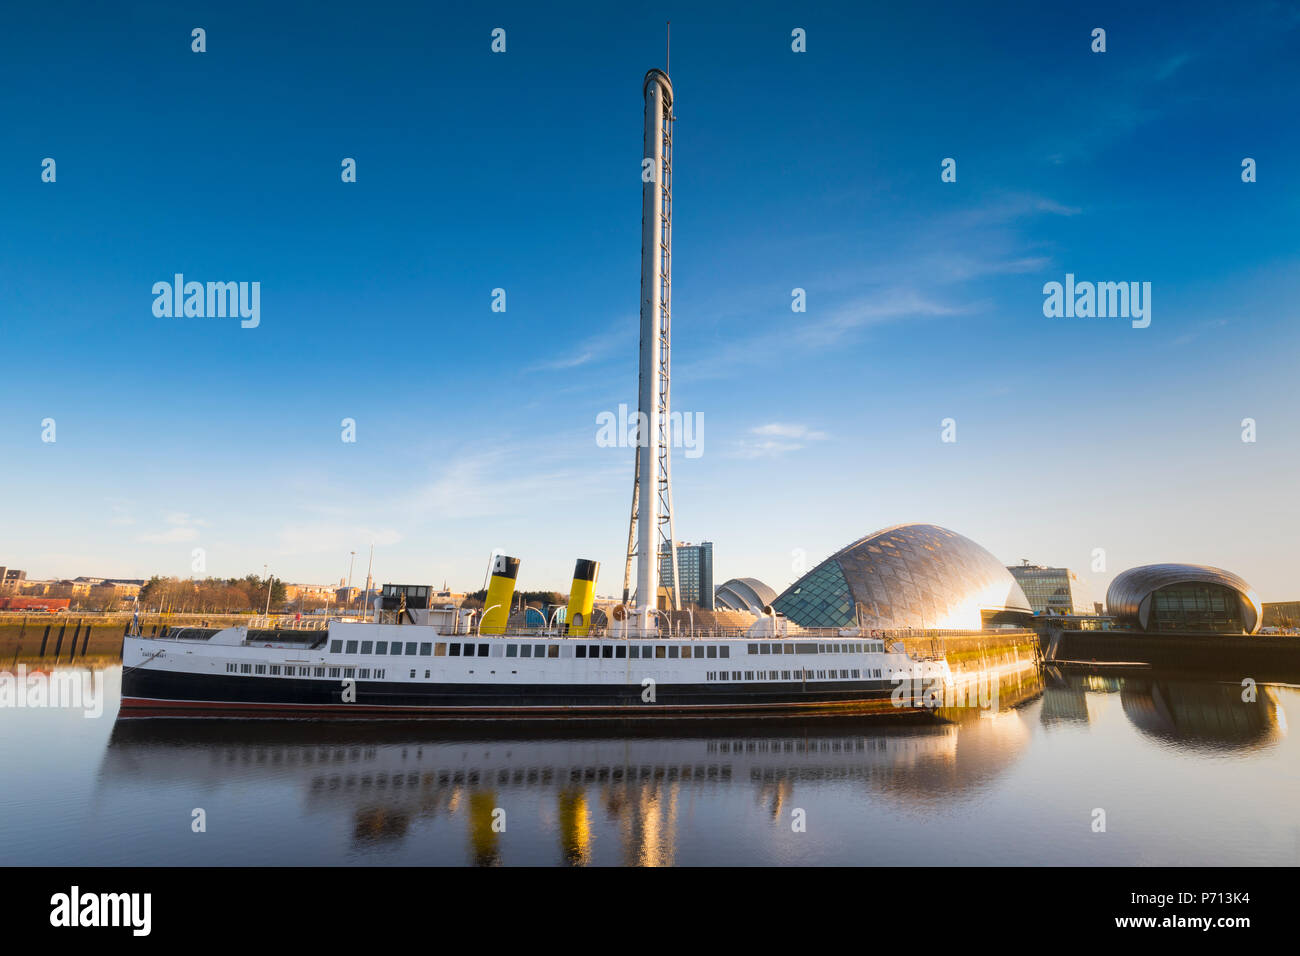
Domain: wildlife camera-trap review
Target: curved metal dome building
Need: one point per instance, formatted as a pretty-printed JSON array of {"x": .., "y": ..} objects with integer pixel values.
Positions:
[
  {"x": 911, "y": 575},
  {"x": 1184, "y": 597},
  {"x": 744, "y": 594}
]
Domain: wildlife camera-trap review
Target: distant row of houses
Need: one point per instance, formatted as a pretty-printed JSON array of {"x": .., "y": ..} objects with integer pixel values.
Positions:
[
  {"x": 92, "y": 591},
  {"x": 14, "y": 583}
]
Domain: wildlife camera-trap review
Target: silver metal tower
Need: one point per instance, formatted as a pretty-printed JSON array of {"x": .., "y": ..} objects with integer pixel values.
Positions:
[{"x": 650, "y": 531}]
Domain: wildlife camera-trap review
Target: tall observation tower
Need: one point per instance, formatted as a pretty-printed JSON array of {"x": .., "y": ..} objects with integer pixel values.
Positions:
[{"x": 650, "y": 531}]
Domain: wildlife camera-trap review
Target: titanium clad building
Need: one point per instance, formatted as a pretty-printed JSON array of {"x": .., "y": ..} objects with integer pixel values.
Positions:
[
  {"x": 744, "y": 594},
  {"x": 1184, "y": 597},
  {"x": 1053, "y": 590},
  {"x": 911, "y": 575}
]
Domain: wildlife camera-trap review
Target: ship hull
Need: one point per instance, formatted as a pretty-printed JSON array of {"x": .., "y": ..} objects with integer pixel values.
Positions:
[{"x": 169, "y": 694}]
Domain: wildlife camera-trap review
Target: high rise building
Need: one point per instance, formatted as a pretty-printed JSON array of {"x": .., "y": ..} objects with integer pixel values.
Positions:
[
  {"x": 694, "y": 573},
  {"x": 1053, "y": 590}
]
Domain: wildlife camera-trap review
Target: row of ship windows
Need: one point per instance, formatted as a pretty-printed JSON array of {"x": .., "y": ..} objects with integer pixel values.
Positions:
[
  {"x": 866, "y": 647},
  {"x": 275, "y": 670},
  {"x": 604, "y": 651},
  {"x": 646, "y": 652},
  {"x": 842, "y": 674},
  {"x": 440, "y": 649},
  {"x": 366, "y": 673}
]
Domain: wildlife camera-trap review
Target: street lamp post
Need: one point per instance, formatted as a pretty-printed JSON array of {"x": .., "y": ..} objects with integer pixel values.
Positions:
[{"x": 350, "y": 566}]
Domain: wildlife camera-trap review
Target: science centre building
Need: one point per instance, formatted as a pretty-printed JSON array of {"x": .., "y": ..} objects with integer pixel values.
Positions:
[{"x": 908, "y": 576}]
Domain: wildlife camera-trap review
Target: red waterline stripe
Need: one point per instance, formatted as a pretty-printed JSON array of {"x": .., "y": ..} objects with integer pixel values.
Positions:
[{"x": 152, "y": 707}]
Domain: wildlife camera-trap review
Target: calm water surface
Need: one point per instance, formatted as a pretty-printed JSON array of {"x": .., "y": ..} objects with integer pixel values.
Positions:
[{"x": 1185, "y": 771}]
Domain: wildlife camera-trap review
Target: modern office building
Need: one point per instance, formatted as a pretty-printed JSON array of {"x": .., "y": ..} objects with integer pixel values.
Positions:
[
  {"x": 1184, "y": 597},
  {"x": 1053, "y": 590},
  {"x": 1282, "y": 614},
  {"x": 909, "y": 576},
  {"x": 743, "y": 594},
  {"x": 694, "y": 573}
]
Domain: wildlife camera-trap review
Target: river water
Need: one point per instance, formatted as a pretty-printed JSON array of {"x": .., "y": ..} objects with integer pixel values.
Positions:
[{"x": 1083, "y": 769}]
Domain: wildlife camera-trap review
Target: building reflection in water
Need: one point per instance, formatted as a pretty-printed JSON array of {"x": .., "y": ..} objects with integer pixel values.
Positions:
[
  {"x": 1189, "y": 715},
  {"x": 1065, "y": 696},
  {"x": 1202, "y": 716}
]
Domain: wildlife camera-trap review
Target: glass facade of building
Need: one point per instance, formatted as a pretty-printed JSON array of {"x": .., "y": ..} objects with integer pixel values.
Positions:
[
  {"x": 1053, "y": 590},
  {"x": 910, "y": 576},
  {"x": 1196, "y": 607},
  {"x": 694, "y": 573}
]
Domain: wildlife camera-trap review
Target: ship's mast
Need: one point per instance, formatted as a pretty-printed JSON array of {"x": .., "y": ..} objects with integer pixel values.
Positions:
[{"x": 650, "y": 531}]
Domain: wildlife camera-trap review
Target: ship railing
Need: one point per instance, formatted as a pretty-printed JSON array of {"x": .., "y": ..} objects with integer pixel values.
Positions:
[
  {"x": 820, "y": 634},
  {"x": 277, "y": 623}
]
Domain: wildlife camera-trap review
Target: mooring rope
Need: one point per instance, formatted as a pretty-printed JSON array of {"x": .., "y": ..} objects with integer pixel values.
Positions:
[{"x": 127, "y": 670}]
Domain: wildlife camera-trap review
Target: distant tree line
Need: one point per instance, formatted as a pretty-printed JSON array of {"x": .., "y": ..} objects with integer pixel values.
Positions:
[
  {"x": 214, "y": 595},
  {"x": 530, "y": 598}
]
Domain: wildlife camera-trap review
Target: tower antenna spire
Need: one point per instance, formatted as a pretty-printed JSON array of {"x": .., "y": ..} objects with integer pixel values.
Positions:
[{"x": 668, "y": 54}]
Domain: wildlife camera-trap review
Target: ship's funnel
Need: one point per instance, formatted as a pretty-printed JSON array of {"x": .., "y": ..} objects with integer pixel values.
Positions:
[
  {"x": 500, "y": 592},
  {"x": 582, "y": 596}
]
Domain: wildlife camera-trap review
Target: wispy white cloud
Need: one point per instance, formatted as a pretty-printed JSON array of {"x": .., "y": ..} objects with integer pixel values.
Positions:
[
  {"x": 184, "y": 527},
  {"x": 119, "y": 511},
  {"x": 595, "y": 349},
  {"x": 787, "y": 430},
  {"x": 170, "y": 536},
  {"x": 775, "y": 439},
  {"x": 889, "y": 306},
  {"x": 505, "y": 482},
  {"x": 311, "y": 538},
  {"x": 1172, "y": 65},
  {"x": 1198, "y": 330},
  {"x": 1056, "y": 208}
]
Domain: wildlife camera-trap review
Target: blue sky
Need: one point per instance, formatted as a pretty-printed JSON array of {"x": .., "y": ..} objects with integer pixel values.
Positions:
[{"x": 821, "y": 170}]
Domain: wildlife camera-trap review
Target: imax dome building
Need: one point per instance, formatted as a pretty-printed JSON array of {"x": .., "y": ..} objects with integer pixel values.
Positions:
[
  {"x": 1184, "y": 597},
  {"x": 912, "y": 575}
]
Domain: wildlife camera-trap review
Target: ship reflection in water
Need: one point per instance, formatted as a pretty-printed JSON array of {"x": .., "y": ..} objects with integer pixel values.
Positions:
[
  {"x": 1188, "y": 772},
  {"x": 390, "y": 781}
]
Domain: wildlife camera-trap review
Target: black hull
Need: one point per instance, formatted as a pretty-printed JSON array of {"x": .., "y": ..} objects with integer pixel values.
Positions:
[{"x": 151, "y": 693}]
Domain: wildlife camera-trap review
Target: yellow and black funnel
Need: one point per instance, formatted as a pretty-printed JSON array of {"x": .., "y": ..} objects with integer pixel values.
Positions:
[
  {"x": 582, "y": 596},
  {"x": 500, "y": 592}
]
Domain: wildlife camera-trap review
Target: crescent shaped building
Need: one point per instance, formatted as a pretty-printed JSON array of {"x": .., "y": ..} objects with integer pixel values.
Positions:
[
  {"x": 908, "y": 576},
  {"x": 1184, "y": 597},
  {"x": 744, "y": 594}
]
